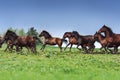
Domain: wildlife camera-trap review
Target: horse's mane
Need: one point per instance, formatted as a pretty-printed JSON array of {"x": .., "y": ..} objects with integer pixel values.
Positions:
[
  {"x": 11, "y": 33},
  {"x": 47, "y": 34},
  {"x": 109, "y": 29},
  {"x": 75, "y": 34},
  {"x": 67, "y": 33}
]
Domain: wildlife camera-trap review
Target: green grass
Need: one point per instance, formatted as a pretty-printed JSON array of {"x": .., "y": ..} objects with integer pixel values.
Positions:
[{"x": 53, "y": 65}]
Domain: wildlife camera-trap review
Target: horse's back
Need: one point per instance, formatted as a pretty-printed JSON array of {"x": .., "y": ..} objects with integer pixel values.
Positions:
[
  {"x": 88, "y": 38},
  {"x": 116, "y": 38}
]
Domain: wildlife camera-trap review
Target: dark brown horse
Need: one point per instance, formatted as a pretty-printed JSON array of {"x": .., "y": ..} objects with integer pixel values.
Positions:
[
  {"x": 111, "y": 37},
  {"x": 9, "y": 44},
  {"x": 102, "y": 40},
  {"x": 21, "y": 41},
  {"x": 72, "y": 40},
  {"x": 85, "y": 41},
  {"x": 49, "y": 40}
]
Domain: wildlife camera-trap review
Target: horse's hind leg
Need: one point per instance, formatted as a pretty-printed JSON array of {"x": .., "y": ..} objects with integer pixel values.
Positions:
[
  {"x": 91, "y": 48},
  {"x": 78, "y": 47},
  {"x": 6, "y": 48},
  {"x": 115, "y": 50},
  {"x": 60, "y": 48},
  {"x": 33, "y": 48}
]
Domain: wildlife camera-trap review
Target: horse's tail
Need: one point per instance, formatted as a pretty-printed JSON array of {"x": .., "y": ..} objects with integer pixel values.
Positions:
[{"x": 65, "y": 41}]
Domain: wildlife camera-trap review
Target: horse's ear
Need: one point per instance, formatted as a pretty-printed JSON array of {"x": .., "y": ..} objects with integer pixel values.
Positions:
[{"x": 104, "y": 25}]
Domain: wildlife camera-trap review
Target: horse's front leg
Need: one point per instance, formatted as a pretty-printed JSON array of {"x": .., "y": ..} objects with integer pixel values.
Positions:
[
  {"x": 78, "y": 47},
  {"x": 43, "y": 47},
  {"x": 71, "y": 46},
  {"x": 84, "y": 49},
  {"x": 66, "y": 46}
]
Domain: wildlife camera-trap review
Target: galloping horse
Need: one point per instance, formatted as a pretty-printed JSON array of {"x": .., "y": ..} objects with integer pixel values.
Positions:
[
  {"x": 111, "y": 37},
  {"x": 51, "y": 40},
  {"x": 72, "y": 40},
  {"x": 20, "y": 41},
  {"x": 8, "y": 42},
  {"x": 102, "y": 40},
  {"x": 85, "y": 41}
]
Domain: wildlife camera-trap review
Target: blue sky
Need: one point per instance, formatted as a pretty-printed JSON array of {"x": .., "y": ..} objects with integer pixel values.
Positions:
[{"x": 59, "y": 16}]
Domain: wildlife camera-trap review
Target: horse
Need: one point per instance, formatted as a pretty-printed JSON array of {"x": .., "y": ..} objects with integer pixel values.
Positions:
[
  {"x": 72, "y": 40},
  {"x": 9, "y": 44},
  {"x": 21, "y": 41},
  {"x": 111, "y": 37},
  {"x": 85, "y": 41},
  {"x": 102, "y": 40},
  {"x": 49, "y": 40}
]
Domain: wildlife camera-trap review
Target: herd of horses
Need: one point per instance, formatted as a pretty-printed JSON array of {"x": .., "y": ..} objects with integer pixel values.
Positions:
[{"x": 110, "y": 41}]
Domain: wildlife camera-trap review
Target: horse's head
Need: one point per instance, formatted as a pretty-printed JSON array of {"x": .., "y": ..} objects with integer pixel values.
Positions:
[
  {"x": 75, "y": 34},
  {"x": 67, "y": 35},
  {"x": 10, "y": 35},
  {"x": 45, "y": 34},
  {"x": 106, "y": 30},
  {"x": 103, "y": 29},
  {"x": 96, "y": 35}
]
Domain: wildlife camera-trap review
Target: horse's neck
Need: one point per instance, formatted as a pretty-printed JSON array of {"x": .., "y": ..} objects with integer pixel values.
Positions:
[
  {"x": 101, "y": 37},
  {"x": 48, "y": 37},
  {"x": 13, "y": 38},
  {"x": 107, "y": 34}
]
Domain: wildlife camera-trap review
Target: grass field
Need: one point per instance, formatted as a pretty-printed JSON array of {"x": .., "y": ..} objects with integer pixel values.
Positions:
[{"x": 53, "y": 65}]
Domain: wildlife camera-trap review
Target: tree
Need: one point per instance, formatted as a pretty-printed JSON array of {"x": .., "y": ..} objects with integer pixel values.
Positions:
[
  {"x": 21, "y": 32},
  {"x": 33, "y": 32},
  {"x": 11, "y": 29}
]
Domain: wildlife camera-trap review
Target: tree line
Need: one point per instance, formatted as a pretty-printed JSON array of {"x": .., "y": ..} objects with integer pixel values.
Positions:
[{"x": 21, "y": 32}]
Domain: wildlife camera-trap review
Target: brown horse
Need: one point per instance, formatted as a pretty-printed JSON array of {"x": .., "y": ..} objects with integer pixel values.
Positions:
[
  {"x": 102, "y": 40},
  {"x": 49, "y": 40},
  {"x": 72, "y": 40},
  {"x": 26, "y": 41},
  {"x": 9, "y": 44},
  {"x": 85, "y": 41},
  {"x": 20, "y": 41},
  {"x": 111, "y": 37}
]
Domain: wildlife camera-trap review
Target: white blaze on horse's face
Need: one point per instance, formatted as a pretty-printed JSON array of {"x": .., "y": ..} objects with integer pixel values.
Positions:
[{"x": 42, "y": 39}]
